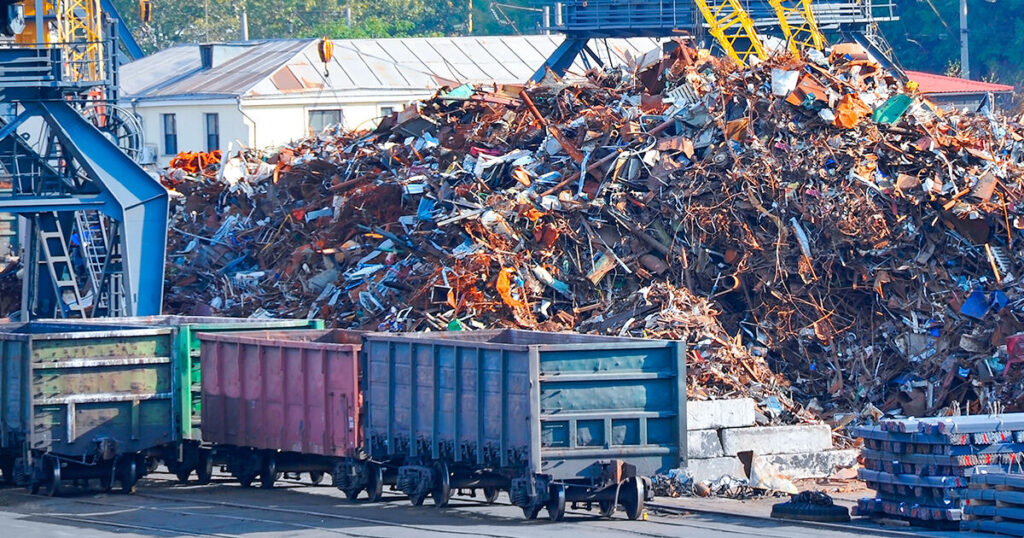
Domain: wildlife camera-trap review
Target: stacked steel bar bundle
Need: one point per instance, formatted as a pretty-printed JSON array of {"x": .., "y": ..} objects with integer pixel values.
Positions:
[
  {"x": 921, "y": 468},
  {"x": 995, "y": 503}
]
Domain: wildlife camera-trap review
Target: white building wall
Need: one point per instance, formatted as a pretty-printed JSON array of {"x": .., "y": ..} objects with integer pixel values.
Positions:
[
  {"x": 191, "y": 122},
  {"x": 261, "y": 123},
  {"x": 281, "y": 121}
]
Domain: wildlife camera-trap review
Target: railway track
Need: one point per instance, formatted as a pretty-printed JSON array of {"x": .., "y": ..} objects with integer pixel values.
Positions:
[
  {"x": 314, "y": 516},
  {"x": 126, "y": 506}
]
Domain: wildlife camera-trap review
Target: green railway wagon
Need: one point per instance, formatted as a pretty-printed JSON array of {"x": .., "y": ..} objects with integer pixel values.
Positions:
[
  {"x": 185, "y": 455},
  {"x": 82, "y": 401}
]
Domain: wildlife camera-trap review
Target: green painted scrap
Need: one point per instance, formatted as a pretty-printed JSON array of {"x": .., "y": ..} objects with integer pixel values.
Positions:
[{"x": 892, "y": 110}]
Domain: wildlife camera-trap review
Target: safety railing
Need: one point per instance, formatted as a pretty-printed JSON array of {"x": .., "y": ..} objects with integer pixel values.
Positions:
[
  {"x": 668, "y": 17},
  {"x": 50, "y": 65}
]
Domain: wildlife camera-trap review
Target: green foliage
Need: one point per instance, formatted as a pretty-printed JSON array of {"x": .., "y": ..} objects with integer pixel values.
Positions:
[
  {"x": 928, "y": 41},
  {"x": 189, "y": 21},
  {"x": 923, "y": 39}
]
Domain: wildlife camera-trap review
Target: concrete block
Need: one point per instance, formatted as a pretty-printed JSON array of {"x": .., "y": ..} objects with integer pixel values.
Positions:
[
  {"x": 777, "y": 439},
  {"x": 711, "y": 469},
  {"x": 812, "y": 464},
  {"x": 703, "y": 444},
  {"x": 718, "y": 414}
]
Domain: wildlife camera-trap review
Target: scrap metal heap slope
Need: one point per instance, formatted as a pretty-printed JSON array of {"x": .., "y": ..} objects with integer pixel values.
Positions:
[{"x": 814, "y": 230}]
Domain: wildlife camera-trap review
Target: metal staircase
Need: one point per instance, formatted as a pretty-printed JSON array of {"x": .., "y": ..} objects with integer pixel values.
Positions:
[
  {"x": 102, "y": 263},
  {"x": 735, "y": 21},
  {"x": 55, "y": 255}
]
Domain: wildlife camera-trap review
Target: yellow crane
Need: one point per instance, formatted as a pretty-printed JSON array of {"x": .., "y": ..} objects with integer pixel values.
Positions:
[
  {"x": 796, "y": 19},
  {"x": 730, "y": 24},
  {"x": 80, "y": 33}
]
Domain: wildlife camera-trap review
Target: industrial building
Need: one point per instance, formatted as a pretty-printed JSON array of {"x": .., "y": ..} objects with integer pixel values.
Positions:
[{"x": 268, "y": 93}]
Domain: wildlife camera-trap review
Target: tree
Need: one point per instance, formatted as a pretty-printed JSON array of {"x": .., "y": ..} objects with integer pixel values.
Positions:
[
  {"x": 927, "y": 39},
  {"x": 177, "y": 21}
]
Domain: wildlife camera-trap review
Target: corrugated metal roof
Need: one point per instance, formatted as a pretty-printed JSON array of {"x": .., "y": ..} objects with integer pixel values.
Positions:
[
  {"x": 158, "y": 68},
  {"x": 239, "y": 74},
  {"x": 281, "y": 67},
  {"x": 150, "y": 74}
]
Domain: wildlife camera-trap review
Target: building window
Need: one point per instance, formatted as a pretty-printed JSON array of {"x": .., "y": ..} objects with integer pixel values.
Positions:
[
  {"x": 170, "y": 135},
  {"x": 386, "y": 111},
  {"x": 212, "y": 132},
  {"x": 322, "y": 119}
]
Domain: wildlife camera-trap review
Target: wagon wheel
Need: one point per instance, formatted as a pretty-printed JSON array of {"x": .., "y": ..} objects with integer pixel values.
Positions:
[
  {"x": 352, "y": 493},
  {"x": 607, "y": 508},
  {"x": 53, "y": 487},
  {"x": 129, "y": 476},
  {"x": 442, "y": 491},
  {"x": 119, "y": 125},
  {"x": 418, "y": 498},
  {"x": 531, "y": 512},
  {"x": 491, "y": 495},
  {"x": 316, "y": 477},
  {"x": 632, "y": 498},
  {"x": 268, "y": 475},
  {"x": 245, "y": 478},
  {"x": 556, "y": 506},
  {"x": 375, "y": 489},
  {"x": 204, "y": 472},
  {"x": 183, "y": 475}
]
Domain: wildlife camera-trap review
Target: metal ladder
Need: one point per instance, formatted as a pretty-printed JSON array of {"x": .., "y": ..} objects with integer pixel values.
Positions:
[
  {"x": 102, "y": 263},
  {"x": 54, "y": 253}
]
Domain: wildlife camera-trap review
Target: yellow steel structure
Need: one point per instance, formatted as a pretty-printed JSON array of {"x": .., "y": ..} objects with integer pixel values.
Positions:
[
  {"x": 77, "y": 27},
  {"x": 734, "y": 29},
  {"x": 80, "y": 33},
  {"x": 732, "y": 26},
  {"x": 798, "y": 25}
]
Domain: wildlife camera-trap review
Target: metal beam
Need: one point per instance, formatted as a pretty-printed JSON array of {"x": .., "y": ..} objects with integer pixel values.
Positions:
[
  {"x": 563, "y": 57},
  {"x": 43, "y": 204},
  {"x": 9, "y": 129},
  {"x": 123, "y": 32}
]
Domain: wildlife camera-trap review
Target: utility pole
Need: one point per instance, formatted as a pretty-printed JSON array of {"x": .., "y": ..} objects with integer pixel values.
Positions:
[{"x": 965, "y": 57}]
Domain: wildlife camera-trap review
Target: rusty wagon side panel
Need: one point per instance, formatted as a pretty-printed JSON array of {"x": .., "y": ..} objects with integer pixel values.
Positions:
[
  {"x": 291, "y": 391},
  {"x": 72, "y": 389}
]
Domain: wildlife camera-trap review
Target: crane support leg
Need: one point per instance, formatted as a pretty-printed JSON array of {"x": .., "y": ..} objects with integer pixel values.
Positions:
[
  {"x": 141, "y": 202},
  {"x": 562, "y": 58}
]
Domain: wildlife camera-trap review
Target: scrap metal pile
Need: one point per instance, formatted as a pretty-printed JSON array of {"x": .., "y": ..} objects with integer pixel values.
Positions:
[{"x": 813, "y": 229}]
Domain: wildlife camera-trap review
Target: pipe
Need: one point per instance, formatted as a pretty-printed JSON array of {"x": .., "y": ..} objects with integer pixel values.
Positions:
[
  {"x": 238, "y": 103},
  {"x": 245, "y": 24}
]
